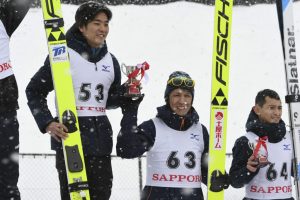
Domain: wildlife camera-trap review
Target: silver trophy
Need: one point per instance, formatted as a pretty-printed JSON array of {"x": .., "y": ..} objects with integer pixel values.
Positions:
[
  {"x": 260, "y": 154},
  {"x": 134, "y": 75}
]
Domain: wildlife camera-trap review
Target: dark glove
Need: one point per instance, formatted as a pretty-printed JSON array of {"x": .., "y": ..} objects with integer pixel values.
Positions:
[
  {"x": 129, "y": 103},
  {"x": 219, "y": 181}
]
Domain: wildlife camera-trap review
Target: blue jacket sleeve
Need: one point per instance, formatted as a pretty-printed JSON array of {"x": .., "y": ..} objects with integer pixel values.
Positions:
[
  {"x": 114, "y": 91},
  {"x": 133, "y": 141},
  {"x": 37, "y": 91},
  {"x": 239, "y": 174},
  {"x": 204, "y": 157},
  {"x": 12, "y": 13}
]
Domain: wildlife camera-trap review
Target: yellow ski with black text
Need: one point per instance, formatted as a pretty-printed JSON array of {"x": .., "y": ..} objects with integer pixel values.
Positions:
[
  {"x": 65, "y": 99},
  {"x": 219, "y": 92}
]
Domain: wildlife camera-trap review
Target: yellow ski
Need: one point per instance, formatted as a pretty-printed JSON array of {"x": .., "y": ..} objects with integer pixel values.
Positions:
[
  {"x": 65, "y": 101},
  {"x": 219, "y": 91}
]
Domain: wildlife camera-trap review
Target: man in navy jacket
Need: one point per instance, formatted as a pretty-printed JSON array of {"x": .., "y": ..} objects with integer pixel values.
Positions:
[
  {"x": 12, "y": 12},
  {"x": 96, "y": 79},
  {"x": 175, "y": 141}
]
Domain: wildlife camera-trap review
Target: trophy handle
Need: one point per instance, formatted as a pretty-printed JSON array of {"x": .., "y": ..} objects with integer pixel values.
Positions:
[
  {"x": 123, "y": 66},
  {"x": 138, "y": 70}
]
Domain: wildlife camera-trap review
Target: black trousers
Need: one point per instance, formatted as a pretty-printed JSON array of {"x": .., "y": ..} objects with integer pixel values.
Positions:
[
  {"x": 9, "y": 152},
  {"x": 167, "y": 193},
  {"x": 99, "y": 174}
]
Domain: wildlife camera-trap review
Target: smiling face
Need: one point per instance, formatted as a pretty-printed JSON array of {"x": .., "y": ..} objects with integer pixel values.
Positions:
[
  {"x": 96, "y": 30},
  {"x": 180, "y": 101},
  {"x": 270, "y": 111}
]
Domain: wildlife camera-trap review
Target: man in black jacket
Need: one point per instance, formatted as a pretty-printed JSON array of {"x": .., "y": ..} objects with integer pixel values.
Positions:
[
  {"x": 12, "y": 12},
  {"x": 175, "y": 141},
  {"x": 96, "y": 79},
  {"x": 262, "y": 158}
]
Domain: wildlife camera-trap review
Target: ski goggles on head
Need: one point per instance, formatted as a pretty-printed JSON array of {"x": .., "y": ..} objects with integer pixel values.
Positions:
[{"x": 181, "y": 81}]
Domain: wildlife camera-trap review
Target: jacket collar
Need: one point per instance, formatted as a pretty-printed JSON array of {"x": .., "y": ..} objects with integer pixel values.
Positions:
[
  {"x": 175, "y": 121},
  {"x": 274, "y": 131}
]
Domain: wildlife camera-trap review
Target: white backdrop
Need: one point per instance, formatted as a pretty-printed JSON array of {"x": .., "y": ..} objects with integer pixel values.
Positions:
[{"x": 175, "y": 36}]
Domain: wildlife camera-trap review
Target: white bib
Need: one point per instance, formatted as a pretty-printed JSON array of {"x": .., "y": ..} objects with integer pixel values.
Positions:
[
  {"x": 5, "y": 65},
  {"x": 175, "y": 158},
  {"x": 274, "y": 180},
  {"x": 91, "y": 83}
]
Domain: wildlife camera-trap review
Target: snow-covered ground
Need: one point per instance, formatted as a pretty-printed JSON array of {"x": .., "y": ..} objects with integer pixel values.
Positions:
[{"x": 175, "y": 36}]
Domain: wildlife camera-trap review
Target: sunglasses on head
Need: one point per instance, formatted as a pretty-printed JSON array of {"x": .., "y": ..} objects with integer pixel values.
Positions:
[{"x": 181, "y": 81}]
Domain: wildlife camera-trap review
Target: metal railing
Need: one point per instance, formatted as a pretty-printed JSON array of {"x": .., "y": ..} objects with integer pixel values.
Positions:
[{"x": 39, "y": 180}]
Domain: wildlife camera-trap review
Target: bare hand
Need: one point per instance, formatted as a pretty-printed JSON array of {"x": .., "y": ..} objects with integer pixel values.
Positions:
[
  {"x": 57, "y": 130},
  {"x": 252, "y": 164}
]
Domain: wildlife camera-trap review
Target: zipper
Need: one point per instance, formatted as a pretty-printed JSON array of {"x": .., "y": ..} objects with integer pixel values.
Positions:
[{"x": 182, "y": 123}]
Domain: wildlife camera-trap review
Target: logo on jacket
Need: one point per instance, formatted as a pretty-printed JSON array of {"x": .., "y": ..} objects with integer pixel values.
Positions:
[
  {"x": 194, "y": 136},
  {"x": 105, "y": 68},
  {"x": 4, "y": 66},
  {"x": 287, "y": 147}
]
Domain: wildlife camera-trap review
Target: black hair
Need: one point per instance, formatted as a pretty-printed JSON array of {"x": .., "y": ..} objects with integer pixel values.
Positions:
[
  {"x": 88, "y": 11},
  {"x": 260, "y": 98}
]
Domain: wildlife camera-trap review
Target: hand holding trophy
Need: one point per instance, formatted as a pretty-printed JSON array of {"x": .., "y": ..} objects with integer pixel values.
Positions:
[
  {"x": 135, "y": 74},
  {"x": 260, "y": 153}
]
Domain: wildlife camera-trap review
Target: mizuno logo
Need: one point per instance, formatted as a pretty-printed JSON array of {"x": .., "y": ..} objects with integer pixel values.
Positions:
[
  {"x": 193, "y": 136},
  {"x": 287, "y": 147},
  {"x": 105, "y": 68}
]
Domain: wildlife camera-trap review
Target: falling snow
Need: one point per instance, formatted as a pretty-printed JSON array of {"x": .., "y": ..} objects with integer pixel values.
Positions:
[{"x": 176, "y": 36}]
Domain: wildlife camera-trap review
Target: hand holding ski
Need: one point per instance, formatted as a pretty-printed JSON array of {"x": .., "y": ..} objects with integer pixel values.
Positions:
[{"x": 63, "y": 85}]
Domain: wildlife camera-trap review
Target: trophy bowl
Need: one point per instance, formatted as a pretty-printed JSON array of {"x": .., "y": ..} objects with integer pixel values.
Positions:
[{"x": 133, "y": 86}]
